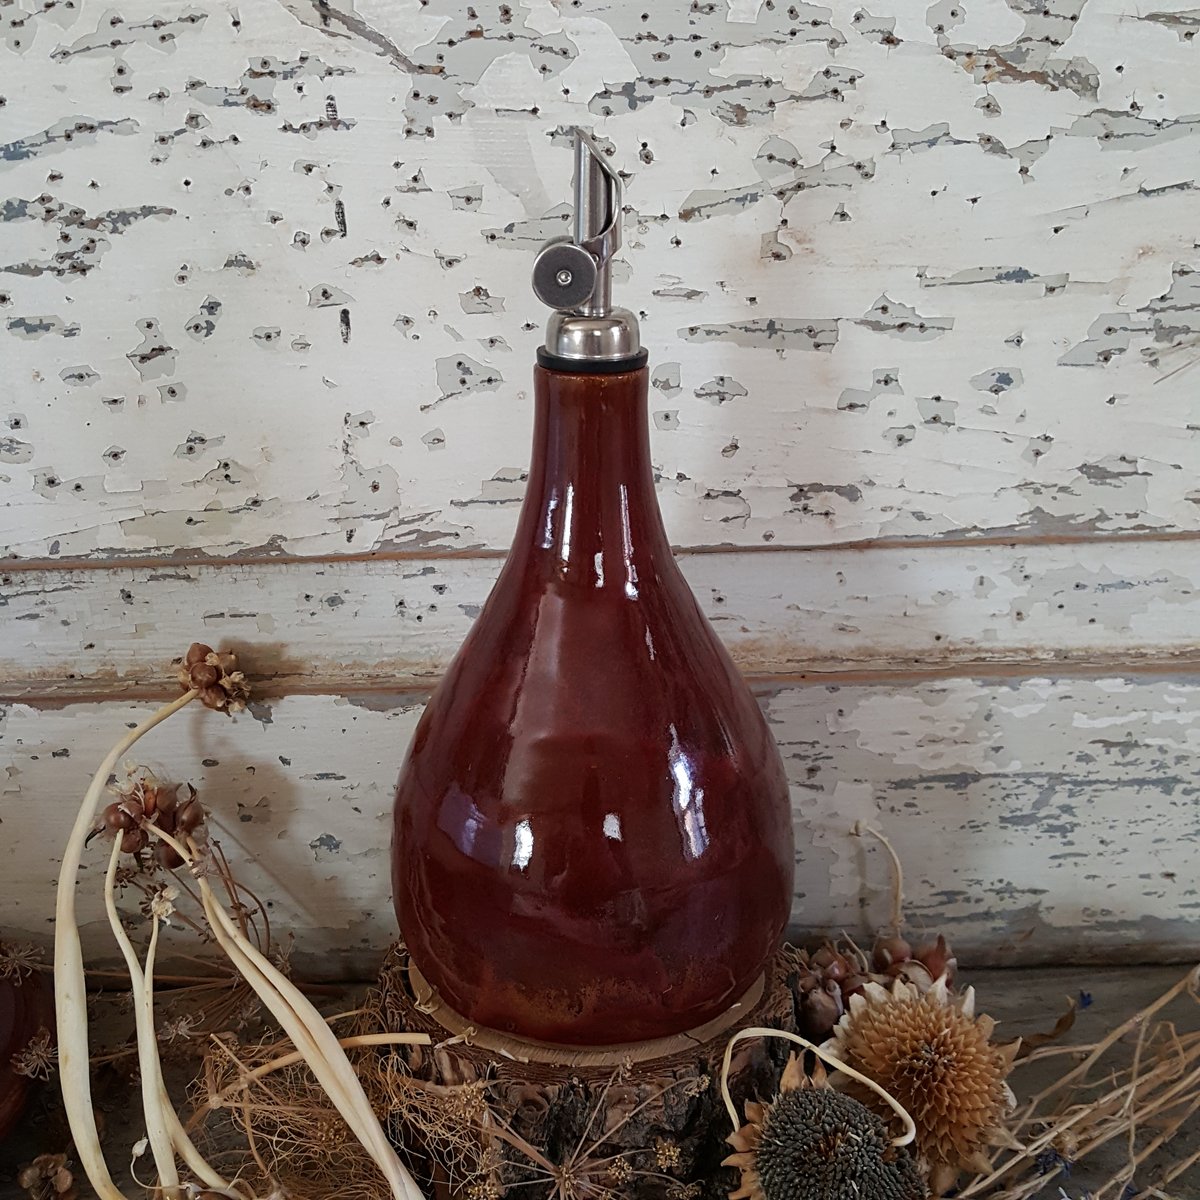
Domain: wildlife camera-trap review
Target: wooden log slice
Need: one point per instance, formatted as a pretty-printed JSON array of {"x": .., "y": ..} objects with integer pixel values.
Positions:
[{"x": 645, "y": 1120}]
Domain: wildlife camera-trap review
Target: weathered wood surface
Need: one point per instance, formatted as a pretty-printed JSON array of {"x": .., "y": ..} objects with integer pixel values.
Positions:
[
  {"x": 1038, "y": 820},
  {"x": 903, "y": 273},
  {"x": 322, "y": 625}
]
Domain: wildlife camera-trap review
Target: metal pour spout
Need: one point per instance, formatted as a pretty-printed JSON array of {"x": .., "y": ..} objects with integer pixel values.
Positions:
[
  {"x": 573, "y": 275},
  {"x": 597, "y": 195}
]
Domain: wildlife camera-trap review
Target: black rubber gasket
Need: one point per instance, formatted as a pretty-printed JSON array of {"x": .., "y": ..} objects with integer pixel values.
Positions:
[{"x": 591, "y": 366}]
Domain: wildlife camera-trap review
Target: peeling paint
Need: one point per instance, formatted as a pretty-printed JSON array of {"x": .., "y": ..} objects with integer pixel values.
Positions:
[
  {"x": 1056, "y": 841},
  {"x": 251, "y": 228}
]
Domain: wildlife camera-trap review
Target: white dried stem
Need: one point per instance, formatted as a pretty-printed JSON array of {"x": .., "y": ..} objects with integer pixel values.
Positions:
[
  {"x": 1136, "y": 1161},
  {"x": 149, "y": 1064},
  {"x": 150, "y": 1069},
  {"x": 309, "y": 1031},
  {"x": 69, "y": 984},
  {"x": 860, "y": 828},
  {"x": 311, "y": 1035}
]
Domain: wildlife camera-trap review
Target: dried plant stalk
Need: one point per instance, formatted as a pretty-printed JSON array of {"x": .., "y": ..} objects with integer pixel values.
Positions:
[
  {"x": 1109, "y": 1094},
  {"x": 70, "y": 995},
  {"x": 214, "y": 678}
]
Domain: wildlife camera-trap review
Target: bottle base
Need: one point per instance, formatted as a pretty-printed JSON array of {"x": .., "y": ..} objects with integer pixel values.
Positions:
[{"x": 560, "y": 1054}]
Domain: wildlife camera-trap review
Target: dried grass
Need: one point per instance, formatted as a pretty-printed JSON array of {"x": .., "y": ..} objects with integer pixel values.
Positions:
[
  {"x": 261, "y": 1101},
  {"x": 1139, "y": 1084}
]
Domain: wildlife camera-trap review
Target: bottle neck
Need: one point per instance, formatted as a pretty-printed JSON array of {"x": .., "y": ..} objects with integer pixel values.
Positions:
[{"x": 591, "y": 515}]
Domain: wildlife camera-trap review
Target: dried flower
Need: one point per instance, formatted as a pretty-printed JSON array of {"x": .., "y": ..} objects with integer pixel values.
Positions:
[
  {"x": 931, "y": 1052},
  {"x": 162, "y": 905},
  {"x": 620, "y": 1170},
  {"x": 215, "y": 675},
  {"x": 19, "y": 959},
  {"x": 48, "y": 1178},
  {"x": 667, "y": 1154},
  {"x": 487, "y": 1189},
  {"x": 814, "y": 1143},
  {"x": 179, "y": 1029},
  {"x": 37, "y": 1058}
]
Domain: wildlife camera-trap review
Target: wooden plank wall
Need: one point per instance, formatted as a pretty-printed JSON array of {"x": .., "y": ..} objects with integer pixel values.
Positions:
[{"x": 918, "y": 285}]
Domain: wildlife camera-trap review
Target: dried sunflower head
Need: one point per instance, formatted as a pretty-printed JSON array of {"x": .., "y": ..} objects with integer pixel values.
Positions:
[
  {"x": 937, "y": 1058},
  {"x": 812, "y": 1143}
]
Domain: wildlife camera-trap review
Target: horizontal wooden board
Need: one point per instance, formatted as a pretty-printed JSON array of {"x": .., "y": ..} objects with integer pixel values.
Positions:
[
  {"x": 264, "y": 278},
  {"x": 396, "y": 623},
  {"x": 1038, "y": 821}
]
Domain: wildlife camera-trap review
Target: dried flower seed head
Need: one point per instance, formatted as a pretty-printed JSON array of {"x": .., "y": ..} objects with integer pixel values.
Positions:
[
  {"x": 667, "y": 1154},
  {"x": 38, "y": 1057},
  {"x": 19, "y": 959},
  {"x": 143, "y": 800},
  {"x": 48, "y": 1178},
  {"x": 931, "y": 1052},
  {"x": 620, "y": 1171},
  {"x": 813, "y": 1143},
  {"x": 215, "y": 675},
  {"x": 487, "y": 1189},
  {"x": 162, "y": 903}
]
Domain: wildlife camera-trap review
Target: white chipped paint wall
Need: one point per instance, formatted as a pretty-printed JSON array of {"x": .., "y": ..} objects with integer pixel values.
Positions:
[{"x": 919, "y": 287}]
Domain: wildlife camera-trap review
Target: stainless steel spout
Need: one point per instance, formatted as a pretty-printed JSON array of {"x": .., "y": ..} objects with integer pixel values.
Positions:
[{"x": 573, "y": 275}]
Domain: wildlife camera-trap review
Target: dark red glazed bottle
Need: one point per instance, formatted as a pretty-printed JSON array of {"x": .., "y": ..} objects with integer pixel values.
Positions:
[{"x": 593, "y": 839}]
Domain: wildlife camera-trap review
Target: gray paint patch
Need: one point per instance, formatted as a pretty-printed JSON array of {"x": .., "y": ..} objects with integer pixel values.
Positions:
[
  {"x": 903, "y": 321},
  {"x": 480, "y": 300},
  {"x": 66, "y": 134},
  {"x": 998, "y": 380},
  {"x": 665, "y": 378},
  {"x": 35, "y": 327},
  {"x": 461, "y": 375},
  {"x": 12, "y": 450},
  {"x": 773, "y": 333},
  {"x": 720, "y": 390}
]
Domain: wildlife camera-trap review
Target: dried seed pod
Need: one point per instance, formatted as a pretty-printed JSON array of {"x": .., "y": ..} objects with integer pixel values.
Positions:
[
  {"x": 937, "y": 959},
  {"x": 224, "y": 660},
  {"x": 167, "y": 856},
  {"x": 852, "y": 985},
  {"x": 197, "y": 653},
  {"x": 214, "y": 697},
  {"x": 117, "y": 817},
  {"x": 888, "y": 951},
  {"x": 190, "y": 814},
  {"x": 820, "y": 1010},
  {"x": 133, "y": 841},
  {"x": 204, "y": 675},
  {"x": 828, "y": 958},
  {"x": 133, "y": 808},
  {"x": 913, "y": 972}
]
